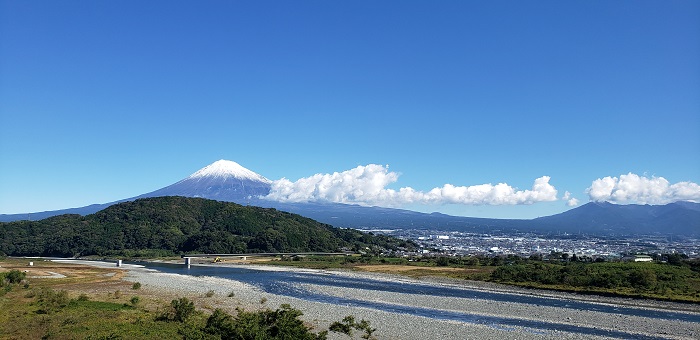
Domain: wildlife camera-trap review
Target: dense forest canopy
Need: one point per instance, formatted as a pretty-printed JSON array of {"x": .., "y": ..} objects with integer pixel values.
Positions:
[{"x": 177, "y": 225}]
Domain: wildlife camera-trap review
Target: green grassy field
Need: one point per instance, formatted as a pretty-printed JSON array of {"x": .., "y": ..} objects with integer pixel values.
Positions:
[
  {"x": 79, "y": 306},
  {"x": 95, "y": 303}
]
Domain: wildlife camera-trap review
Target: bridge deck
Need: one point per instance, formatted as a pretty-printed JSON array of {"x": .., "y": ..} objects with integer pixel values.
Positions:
[{"x": 263, "y": 254}]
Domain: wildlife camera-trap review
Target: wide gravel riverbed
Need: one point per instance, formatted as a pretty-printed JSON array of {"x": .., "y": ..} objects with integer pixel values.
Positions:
[{"x": 402, "y": 315}]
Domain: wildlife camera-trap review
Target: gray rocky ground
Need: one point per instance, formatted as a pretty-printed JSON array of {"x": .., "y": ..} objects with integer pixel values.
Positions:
[{"x": 403, "y": 326}]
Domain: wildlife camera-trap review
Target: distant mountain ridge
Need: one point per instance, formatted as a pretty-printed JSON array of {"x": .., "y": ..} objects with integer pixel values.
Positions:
[
  {"x": 681, "y": 218},
  {"x": 230, "y": 182}
]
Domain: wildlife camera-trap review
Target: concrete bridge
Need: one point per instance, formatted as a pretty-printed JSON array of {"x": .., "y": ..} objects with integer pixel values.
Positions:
[{"x": 244, "y": 256}]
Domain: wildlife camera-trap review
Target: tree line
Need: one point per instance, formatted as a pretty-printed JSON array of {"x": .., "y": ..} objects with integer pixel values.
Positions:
[
  {"x": 175, "y": 225},
  {"x": 661, "y": 280}
]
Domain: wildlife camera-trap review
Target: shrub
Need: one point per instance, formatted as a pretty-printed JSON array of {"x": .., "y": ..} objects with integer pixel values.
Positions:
[
  {"x": 283, "y": 323},
  {"x": 220, "y": 323},
  {"x": 180, "y": 310},
  {"x": 349, "y": 323},
  {"x": 134, "y": 300},
  {"x": 11, "y": 278},
  {"x": 210, "y": 293},
  {"x": 344, "y": 327},
  {"x": 15, "y": 276},
  {"x": 51, "y": 301},
  {"x": 136, "y": 285}
]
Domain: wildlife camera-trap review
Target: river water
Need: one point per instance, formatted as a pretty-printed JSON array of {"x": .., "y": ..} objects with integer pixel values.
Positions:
[{"x": 292, "y": 283}]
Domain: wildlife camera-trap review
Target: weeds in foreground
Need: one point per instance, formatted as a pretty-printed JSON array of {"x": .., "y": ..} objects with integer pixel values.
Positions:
[{"x": 349, "y": 323}]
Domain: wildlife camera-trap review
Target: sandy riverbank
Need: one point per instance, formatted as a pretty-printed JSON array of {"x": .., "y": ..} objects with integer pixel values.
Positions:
[{"x": 402, "y": 326}]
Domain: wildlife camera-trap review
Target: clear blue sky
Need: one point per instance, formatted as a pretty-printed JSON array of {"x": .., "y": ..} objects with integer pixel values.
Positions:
[{"x": 104, "y": 100}]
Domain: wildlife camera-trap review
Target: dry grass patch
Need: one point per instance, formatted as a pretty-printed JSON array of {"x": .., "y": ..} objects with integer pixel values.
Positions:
[
  {"x": 476, "y": 273},
  {"x": 395, "y": 268}
]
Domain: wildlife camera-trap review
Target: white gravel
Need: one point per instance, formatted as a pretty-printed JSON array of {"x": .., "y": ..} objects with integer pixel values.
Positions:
[{"x": 402, "y": 326}]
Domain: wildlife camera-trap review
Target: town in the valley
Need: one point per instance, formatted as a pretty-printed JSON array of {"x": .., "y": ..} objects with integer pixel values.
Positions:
[{"x": 558, "y": 246}]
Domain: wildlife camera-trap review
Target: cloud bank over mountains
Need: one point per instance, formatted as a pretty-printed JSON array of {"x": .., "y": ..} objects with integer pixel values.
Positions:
[
  {"x": 632, "y": 188},
  {"x": 367, "y": 185}
]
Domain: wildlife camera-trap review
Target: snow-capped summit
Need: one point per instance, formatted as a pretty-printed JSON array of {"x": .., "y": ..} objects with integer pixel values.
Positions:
[
  {"x": 222, "y": 180},
  {"x": 224, "y": 168}
]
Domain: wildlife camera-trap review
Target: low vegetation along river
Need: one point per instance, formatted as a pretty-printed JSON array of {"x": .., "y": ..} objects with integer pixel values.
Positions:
[{"x": 361, "y": 291}]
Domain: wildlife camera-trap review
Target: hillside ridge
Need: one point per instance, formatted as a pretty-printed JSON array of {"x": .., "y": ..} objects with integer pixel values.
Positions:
[{"x": 178, "y": 225}]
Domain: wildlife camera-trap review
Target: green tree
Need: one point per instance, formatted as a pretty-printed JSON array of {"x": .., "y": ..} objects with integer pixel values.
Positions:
[
  {"x": 642, "y": 278},
  {"x": 179, "y": 310},
  {"x": 443, "y": 261},
  {"x": 220, "y": 323}
]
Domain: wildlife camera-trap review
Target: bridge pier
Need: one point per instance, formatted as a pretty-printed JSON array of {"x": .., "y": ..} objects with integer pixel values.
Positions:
[{"x": 188, "y": 261}]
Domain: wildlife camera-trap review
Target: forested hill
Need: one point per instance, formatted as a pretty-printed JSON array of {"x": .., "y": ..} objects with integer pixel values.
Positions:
[{"x": 177, "y": 225}]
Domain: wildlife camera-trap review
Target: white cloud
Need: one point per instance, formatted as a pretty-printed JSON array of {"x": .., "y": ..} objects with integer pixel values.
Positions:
[
  {"x": 367, "y": 185},
  {"x": 570, "y": 201},
  {"x": 632, "y": 188},
  {"x": 566, "y": 196},
  {"x": 361, "y": 184}
]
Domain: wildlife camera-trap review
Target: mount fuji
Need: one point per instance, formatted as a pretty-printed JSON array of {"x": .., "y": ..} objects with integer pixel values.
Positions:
[
  {"x": 228, "y": 181},
  {"x": 222, "y": 181}
]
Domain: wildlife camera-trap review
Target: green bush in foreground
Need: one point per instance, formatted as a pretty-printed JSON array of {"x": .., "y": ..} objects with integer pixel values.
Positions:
[
  {"x": 51, "y": 301},
  {"x": 349, "y": 323},
  {"x": 282, "y": 323},
  {"x": 83, "y": 318},
  {"x": 179, "y": 310},
  {"x": 12, "y": 277}
]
